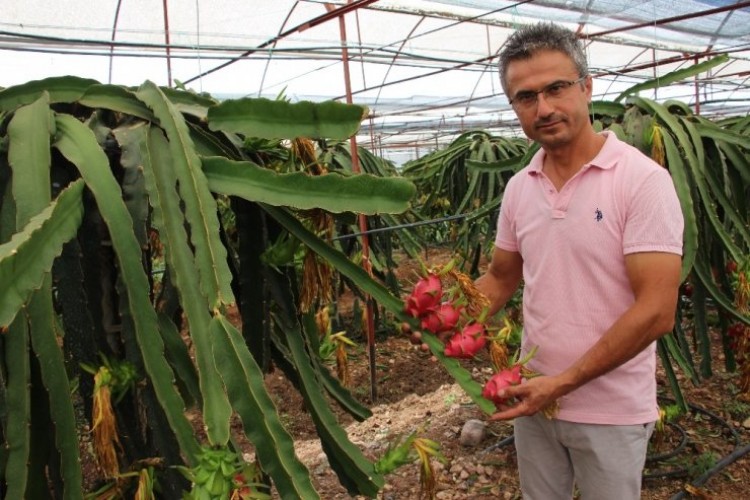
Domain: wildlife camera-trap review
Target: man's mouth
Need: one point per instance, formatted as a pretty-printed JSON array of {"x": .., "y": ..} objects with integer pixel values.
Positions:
[{"x": 547, "y": 124}]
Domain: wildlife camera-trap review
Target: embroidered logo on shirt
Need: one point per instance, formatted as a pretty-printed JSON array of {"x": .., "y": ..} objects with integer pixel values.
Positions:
[{"x": 599, "y": 215}]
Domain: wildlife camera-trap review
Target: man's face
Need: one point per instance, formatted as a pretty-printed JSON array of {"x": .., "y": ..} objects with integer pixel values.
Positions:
[{"x": 556, "y": 116}]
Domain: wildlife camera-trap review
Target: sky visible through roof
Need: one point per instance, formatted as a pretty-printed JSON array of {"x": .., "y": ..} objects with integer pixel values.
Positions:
[{"x": 426, "y": 69}]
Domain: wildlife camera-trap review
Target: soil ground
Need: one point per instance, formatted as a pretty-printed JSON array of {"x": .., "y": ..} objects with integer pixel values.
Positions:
[{"x": 415, "y": 393}]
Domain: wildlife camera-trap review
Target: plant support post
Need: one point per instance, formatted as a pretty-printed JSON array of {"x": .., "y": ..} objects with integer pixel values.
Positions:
[{"x": 362, "y": 219}]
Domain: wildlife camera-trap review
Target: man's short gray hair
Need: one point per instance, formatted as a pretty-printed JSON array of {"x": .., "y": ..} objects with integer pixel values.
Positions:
[{"x": 530, "y": 39}]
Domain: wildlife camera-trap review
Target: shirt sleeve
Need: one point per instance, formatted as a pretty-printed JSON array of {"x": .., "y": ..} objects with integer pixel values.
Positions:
[
  {"x": 655, "y": 222},
  {"x": 505, "y": 238}
]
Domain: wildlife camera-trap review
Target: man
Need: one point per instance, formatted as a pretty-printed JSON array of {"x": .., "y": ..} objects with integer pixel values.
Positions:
[{"x": 594, "y": 229}]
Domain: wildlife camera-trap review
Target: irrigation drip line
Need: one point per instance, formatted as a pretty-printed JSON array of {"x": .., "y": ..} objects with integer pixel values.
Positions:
[
  {"x": 503, "y": 442},
  {"x": 714, "y": 416},
  {"x": 400, "y": 226},
  {"x": 674, "y": 451},
  {"x": 721, "y": 464}
]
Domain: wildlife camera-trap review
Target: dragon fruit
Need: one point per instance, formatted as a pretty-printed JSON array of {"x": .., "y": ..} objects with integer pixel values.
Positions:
[
  {"x": 466, "y": 343},
  {"x": 426, "y": 296},
  {"x": 441, "y": 319},
  {"x": 501, "y": 381}
]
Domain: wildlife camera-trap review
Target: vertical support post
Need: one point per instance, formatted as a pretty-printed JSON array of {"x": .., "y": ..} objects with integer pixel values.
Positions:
[
  {"x": 697, "y": 92},
  {"x": 166, "y": 41},
  {"x": 369, "y": 317}
]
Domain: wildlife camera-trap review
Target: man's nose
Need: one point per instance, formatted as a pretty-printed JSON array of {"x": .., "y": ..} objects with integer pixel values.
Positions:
[{"x": 543, "y": 107}]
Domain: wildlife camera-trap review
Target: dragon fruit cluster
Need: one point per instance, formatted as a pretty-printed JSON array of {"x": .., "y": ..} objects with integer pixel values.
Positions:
[
  {"x": 427, "y": 303},
  {"x": 440, "y": 312}
]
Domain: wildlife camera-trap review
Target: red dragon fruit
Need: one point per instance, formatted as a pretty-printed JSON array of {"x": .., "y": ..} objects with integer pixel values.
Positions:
[
  {"x": 501, "y": 381},
  {"x": 427, "y": 294},
  {"x": 466, "y": 343},
  {"x": 441, "y": 319}
]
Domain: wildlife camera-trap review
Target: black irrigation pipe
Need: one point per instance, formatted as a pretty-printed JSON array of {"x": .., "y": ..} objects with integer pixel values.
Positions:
[
  {"x": 721, "y": 464},
  {"x": 708, "y": 413},
  {"x": 683, "y": 471},
  {"x": 674, "y": 451},
  {"x": 401, "y": 226},
  {"x": 503, "y": 442}
]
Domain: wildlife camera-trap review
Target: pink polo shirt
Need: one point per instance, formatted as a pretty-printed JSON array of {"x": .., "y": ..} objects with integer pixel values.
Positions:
[{"x": 573, "y": 244}]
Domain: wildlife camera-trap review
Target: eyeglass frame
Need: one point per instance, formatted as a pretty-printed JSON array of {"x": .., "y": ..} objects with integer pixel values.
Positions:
[{"x": 524, "y": 93}]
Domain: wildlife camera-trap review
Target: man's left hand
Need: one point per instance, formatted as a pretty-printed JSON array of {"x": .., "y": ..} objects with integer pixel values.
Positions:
[{"x": 532, "y": 396}]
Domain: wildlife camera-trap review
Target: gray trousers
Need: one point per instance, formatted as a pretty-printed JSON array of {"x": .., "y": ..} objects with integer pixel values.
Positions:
[{"x": 603, "y": 461}]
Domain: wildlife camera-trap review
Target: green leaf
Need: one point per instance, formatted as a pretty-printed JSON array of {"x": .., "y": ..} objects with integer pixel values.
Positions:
[
  {"x": 695, "y": 162},
  {"x": 168, "y": 218},
  {"x": 671, "y": 377},
  {"x": 201, "y": 212},
  {"x": 712, "y": 192},
  {"x": 459, "y": 373},
  {"x": 59, "y": 88},
  {"x": 132, "y": 183},
  {"x": 674, "y": 76},
  {"x": 344, "y": 456},
  {"x": 178, "y": 355},
  {"x": 507, "y": 165},
  {"x": 243, "y": 380},
  {"x": 332, "y": 385},
  {"x": 45, "y": 343},
  {"x": 115, "y": 98},
  {"x": 362, "y": 193},
  {"x": 738, "y": 160},
  {"x": 606, "y": 108},
  {"x": 18, "y": 423},
  {"x": 269, "y": 119},
  {"x": 28, "y": 256},
  {"x": 189, "y": 102},
  {"x": 29, "y": 157},
  {"x": 703, "y": 272},
  {"x": 683, "y": 189},
  {"x": 77, "y": 143}
]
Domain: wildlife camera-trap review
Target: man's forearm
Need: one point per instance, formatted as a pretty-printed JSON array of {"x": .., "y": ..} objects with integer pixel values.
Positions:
[{"x": 497, "y": 291}]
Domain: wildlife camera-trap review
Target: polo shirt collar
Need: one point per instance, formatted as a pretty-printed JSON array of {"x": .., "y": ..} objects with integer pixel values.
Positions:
[{"x": 605, "y": 159}]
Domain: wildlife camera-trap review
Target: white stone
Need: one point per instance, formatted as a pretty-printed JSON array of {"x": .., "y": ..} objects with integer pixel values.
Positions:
[{"x": 473, "y": 432}]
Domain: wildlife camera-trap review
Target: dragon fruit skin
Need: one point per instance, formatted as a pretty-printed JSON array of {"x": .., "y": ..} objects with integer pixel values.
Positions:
[
  {"x": 426, "y": 296},
  {"x": 501, "y": 381},
  {"x": 441, "y": 319},
  {"x": 466, "y": 343}
]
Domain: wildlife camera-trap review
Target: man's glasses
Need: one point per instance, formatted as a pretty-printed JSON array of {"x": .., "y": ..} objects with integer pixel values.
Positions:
[{"x": 555, "y": 90}]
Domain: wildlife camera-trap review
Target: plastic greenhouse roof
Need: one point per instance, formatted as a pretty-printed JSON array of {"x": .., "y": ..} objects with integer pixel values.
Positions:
[{"x": 425, "y": 68}]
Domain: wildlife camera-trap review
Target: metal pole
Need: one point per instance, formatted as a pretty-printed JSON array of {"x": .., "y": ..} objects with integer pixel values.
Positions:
[
  {"x": 369, "y": 317},
  {"x": 166, "y": 41},
  {"x": 668, "y": 20},
  {"x": 697, "y": 92}
]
